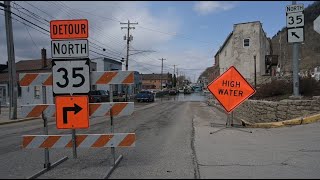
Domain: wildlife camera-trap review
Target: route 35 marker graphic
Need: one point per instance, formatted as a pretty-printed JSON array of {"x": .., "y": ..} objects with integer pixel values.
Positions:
[
  {"x": 71, "y": 77},
  {"x": 231, "y": 89}
]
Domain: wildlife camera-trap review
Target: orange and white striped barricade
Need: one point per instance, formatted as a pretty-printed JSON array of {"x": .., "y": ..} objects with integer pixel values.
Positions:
[
  {"x": 82, "y": 141},
  {"x": 112, "y": 77},
  {"x": 95, "y": 109},
  {"x": 97, "y": 77},
  {"x": 36, "y": 110},
  {"x": 35, "y": 79}
]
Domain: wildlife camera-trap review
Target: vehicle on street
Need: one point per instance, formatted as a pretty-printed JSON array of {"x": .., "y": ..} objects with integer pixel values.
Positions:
[
  {"x": 181, "y": 90},
  {"x": 173, "y": 92},
  {"x": 186, "y": 91},
  {"x": 145, "y": 96},
  {"x": 99, "y": 96}
]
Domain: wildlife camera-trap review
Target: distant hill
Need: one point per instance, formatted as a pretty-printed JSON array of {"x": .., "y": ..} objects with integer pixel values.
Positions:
[
  {"x": 309, "y": 50},
  {"x": 207, "y": 74}
]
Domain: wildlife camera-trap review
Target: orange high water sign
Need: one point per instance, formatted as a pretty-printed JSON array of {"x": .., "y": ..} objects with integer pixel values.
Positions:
[
  {"x": 69, "y": 29},
  {"x": 231, "y": 89}
]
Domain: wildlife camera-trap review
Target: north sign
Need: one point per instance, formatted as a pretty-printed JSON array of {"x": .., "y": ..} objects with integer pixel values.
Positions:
[
  {"x": 62, "y": 49},
  {"x": 70, "y": 77},
  {"x": 231, "y": 89},
  {"x": 294, "y": 8}
]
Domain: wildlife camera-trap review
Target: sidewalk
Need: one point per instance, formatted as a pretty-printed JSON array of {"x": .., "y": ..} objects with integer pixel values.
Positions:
[
  {"x": 5, "y": 119},
  {"x": 288, "y": 152}
]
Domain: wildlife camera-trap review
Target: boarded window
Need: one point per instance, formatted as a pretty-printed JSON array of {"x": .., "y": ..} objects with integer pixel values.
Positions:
[{"x": 246, "y": 42}]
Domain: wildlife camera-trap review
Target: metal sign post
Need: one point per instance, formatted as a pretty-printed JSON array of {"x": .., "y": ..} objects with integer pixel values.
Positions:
[
  {"x": 47, "y": 165},
  {"x": 113, "y": 152},
  {"x": 74, "y": 144},
  {"x": 295, "y": 29},
  {"x": 115, "y": 162}
]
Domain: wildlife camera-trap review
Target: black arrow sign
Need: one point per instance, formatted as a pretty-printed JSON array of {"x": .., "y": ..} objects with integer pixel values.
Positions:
[
  {"x": 76, "y": 109},
  {"x": 294, "y": 34}
]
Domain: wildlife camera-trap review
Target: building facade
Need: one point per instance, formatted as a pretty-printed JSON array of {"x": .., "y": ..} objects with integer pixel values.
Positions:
[
  {"x": 33, "y": 94},
  {"x": 114, "y": 65},
  {"x": 153, "y": 81},
  {"x": 246, "y": 42}
]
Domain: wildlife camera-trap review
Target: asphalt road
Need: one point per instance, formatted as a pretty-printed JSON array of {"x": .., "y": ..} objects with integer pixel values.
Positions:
[
  {"x": 177, "y": 137},
  {"x": 163, "y": 148}
]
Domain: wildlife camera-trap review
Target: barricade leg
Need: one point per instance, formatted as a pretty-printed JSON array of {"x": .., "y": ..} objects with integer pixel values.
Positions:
[
  {"x": 47, "y": 165},
  {"x": 115, "y": 162}
]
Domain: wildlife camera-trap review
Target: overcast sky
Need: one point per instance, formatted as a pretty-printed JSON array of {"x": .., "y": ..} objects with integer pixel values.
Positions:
[{"x": 187, "y": 34}]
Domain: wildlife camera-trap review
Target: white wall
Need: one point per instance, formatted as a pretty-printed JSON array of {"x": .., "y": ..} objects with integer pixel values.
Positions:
[
  {"x": 234, "y": 53},
  {"x": 28, "y": 95}
]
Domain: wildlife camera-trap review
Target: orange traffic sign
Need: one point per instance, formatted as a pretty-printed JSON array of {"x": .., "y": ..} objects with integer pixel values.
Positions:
[
  {"x": 231, "y": 89},
  {"x": 69, "y": 29},
  {"x": 72, "y": 112}
]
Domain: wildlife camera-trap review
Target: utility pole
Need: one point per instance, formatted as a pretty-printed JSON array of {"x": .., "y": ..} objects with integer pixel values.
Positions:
[
  {"x": 174, "y": 73},
  {"x": 128, "y": 38},
  {"x": 11, "y": 62},
  {"x": 295, "y": 65},
  {"x": 178, "y": 78},
  {"x": 161, "y": 71}
]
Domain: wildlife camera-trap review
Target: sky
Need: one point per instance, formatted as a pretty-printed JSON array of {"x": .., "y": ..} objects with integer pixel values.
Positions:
[{"x": 185, "y": 33}]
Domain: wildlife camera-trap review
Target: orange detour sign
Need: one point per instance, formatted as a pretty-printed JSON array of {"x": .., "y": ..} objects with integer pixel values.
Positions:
[
  {"x": 69, "y": 29},
  {"x": 231, "y": 89},
  {"x": 72, "y": 112}
]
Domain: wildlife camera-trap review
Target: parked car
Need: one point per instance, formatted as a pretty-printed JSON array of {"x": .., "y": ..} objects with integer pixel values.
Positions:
[
  {"x": 181, "y": 90},
  {"x": 145, "y": 96},
  {"x": 98, "y": 96},
  {"x": 187, "y": 91},
  {"x": 173, "y": 92}
]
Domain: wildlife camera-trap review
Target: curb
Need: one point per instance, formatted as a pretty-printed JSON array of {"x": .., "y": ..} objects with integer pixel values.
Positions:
[
  {"x": 18, "y": 120},
  {"x": 291, "y": 122},
  {"x": 295, "y": 121}
]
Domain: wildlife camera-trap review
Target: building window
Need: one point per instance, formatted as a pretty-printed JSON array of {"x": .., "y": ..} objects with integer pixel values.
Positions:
[
  {"x": 225, "y": 53},
  {"x": 246, "y": 42},
  {"x": 37, "y": 92}
]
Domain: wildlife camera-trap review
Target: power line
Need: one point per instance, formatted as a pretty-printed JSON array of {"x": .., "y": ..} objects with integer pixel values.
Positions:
[
  {"x": 35, "y": 18},
  {"x": 40, "y": 10},
  {"x": 31, "y": 12},
  {"x": 114, "y": 52},
  {"x": 28, "y": 25},
  {"x": 29, "y": 33},
  {"x": 63, "y": 7}
]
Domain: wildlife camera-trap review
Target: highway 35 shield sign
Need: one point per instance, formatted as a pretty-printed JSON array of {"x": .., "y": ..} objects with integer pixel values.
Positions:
[
  {"x": 70, "y": 77},
  {"x": 231, "y": 89}
]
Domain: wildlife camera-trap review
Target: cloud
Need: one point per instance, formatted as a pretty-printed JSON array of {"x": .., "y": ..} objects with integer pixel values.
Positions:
[
  {"x": 207, "y": 7},
  {"x": 105, "y": 31},
  {"x": 104, "y": 27}
]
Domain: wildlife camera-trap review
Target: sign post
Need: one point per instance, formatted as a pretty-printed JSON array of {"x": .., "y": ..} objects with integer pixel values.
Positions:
[
  {"x": 295, "y": 31},
  {"x": 70, "y": 81},
  {"x": 71, "y": 74},
  {"x": 231, "y": 89}
]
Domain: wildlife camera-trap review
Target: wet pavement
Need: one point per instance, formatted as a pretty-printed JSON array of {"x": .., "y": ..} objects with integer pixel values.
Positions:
[{"x": 193, "y": 97}]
